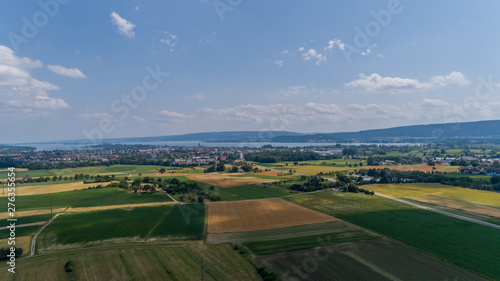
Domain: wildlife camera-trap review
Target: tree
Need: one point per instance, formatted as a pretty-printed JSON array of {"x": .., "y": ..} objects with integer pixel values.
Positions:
[
  {"x": 495, "y": 179},
  {"x": 137, "y": 182},
  {"x": 201, "y": 198},
  {"x": 162, "y": 170}
]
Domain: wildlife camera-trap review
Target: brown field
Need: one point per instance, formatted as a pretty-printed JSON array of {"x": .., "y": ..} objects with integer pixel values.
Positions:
[
  {"x": 315, "y": 169},
  {"x": 274, "y": 174},
  {"x": 222, "y": 180},
  {"x": 50, "y": 188},
  {"x": 5, "y": 215},
  {"x": 251, "y": 215}
]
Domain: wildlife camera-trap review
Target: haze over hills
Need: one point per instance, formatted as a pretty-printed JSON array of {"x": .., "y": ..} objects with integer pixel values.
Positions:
[{"x": 480, "y": 129}]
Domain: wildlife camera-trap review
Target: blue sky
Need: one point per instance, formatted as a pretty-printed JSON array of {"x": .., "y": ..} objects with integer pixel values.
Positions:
[{"x": 66, "y": 70}]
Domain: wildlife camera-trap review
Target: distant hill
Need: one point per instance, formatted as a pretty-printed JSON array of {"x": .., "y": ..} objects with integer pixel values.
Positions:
[
  {"x": 236, "y": 136},
  {"x": 481, "y": 129}
]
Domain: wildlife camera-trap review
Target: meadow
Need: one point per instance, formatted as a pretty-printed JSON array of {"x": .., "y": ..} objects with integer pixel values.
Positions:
[
  {"x": 466, "y": 244},
  {"x": 153, "y": 262}
]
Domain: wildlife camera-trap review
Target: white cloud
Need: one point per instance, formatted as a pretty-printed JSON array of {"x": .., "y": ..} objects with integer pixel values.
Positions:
[
  {"x": 165, "y": 114},
  {"x": 313, "y": 54},
  {"x": 170, "y": 41},
  {"x": 335, "y": 43},
  {"x": 197, "y": 96},
  {"x": 19, "y": 89},
  {"x": 368, "y": 50},
  {"x": 301, "y": 49},
  {"x": 125, "y": 27},
  {"x": 96, "y": 115},
  {"x": 279, "y": 63},
  {"x": 137, "y": 7},
  {"x": 292, "y": 91},
  {"x": 284, "y": 52},
  {"x": 393, "y": 85},
  {"x": 70, "y": 72}
]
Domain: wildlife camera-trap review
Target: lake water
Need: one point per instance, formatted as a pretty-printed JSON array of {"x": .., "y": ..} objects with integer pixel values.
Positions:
[{"x": 76, "y": 145}]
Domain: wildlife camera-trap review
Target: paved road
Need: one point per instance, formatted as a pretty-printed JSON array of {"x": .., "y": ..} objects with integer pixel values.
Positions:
[{"x": 441, "y": 212}]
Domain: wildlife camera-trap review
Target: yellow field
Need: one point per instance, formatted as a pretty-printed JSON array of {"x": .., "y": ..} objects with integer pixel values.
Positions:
[
  {"x": 251, "y": 215},
  {"x": 469, "y": 200},
  {"x": 50, "y": 188},
  {"x": 315, "y": 169},
  {"x": 21, "y": 242}
]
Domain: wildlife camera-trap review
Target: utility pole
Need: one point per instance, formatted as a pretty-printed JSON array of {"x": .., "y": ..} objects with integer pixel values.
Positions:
[{"x": 202, "y": 268}]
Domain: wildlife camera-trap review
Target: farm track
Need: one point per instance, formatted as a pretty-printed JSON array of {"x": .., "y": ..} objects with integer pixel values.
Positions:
[
  {"x": 33, "y": 242},
  {"x": 25, "y": 225}
]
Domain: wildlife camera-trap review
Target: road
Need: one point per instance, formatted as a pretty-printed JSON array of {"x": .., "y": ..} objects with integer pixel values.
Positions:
[{"x": 25, "y": 225}]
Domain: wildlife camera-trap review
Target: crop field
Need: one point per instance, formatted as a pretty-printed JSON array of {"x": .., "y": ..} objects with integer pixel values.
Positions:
[
  {"x": 23, "y": 242},
  {"x": 469, "y": 245},
  {"x": 259, "y": 214},
  {"x": 280, "y": 233},
  {"x": 309, "y": 241},
  {"x": 111, "y": 226},
  {"x": 136, "y": 262},
  {"x": 458, "y": 198},
  {"x": 22, "y": 190},
  {"x": 84, "y": 198},
  {"x": 378, "y": 259},
  {"x": 225, "y": 180}
]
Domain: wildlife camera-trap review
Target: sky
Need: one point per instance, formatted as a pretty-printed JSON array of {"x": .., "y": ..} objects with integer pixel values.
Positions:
[{"x": 104, "y": 69}]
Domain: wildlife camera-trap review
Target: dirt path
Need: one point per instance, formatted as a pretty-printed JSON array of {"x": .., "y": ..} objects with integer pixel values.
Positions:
[
  {"x": 25, "y": 225},
  {"x": 33, "y": 242}
]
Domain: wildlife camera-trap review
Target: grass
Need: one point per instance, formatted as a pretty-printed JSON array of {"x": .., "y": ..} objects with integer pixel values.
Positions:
[
  {"x": 136, "y": 262},
  {"x": 21, "y": 231},
  {"x": 172, "y": 222},
  {"x": 466, "y": 244},
  {"x": 84, "y": 198},
  {"x": 24, "y": 220},
  {"x": 303, "y": 242}
]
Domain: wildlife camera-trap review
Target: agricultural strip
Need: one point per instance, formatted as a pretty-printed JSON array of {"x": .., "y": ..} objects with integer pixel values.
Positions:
[
  {"x": 136, "y": 262},
  {"x": 84, "y": 198},
  {"x": 378, "y": 259},
  {"x": 22, "y": 190},
  {"x": 122, "y": 225},
  {"x": 280, "y": 233},
  {"x": 469, "y": 245},
  {"x": 259, "y": 215}
]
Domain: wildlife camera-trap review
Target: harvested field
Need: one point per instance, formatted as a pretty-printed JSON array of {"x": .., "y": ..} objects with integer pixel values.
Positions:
[
  {"x": 51, "y": 188},
  {"x": 457, "y": 205},
  {"x": 378, "y": 259},
  {"x": 315, "y": 169},
  {"x": 21, "y": 242},
  {"x": 252, "y": 215},
  {"x": 420, "y": 167}
]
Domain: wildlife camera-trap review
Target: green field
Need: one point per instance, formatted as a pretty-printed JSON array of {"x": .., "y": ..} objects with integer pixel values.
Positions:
[
  {"x": 469, "y": 245},
  {"x": 304, "y": 242},
  {"x": 21, "y": 231},
  {"x": 378, "y": 259},
  {"x": 80, "y": 229},
  {"x": 136, "y": 262},
  {"x": 85, "y": 198},
  {"x": 280, "y": 233}
]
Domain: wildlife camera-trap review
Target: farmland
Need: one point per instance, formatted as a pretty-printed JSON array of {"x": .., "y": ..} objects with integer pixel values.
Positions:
[
  {"x": 378, "y": 259},
  {"x": 223, "y": 180},
  {"x": 84, "y": 198},
  {"x": 24, "y": 190},
  {"x": 466, "y": 244},
  {"x": 111, "y": 226},
  {"x": 258, "y": 215},
  {"x": 179, "y": 261}
]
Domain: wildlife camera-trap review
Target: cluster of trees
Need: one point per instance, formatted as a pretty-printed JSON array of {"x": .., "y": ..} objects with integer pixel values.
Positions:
[
  {"x": 403, "y": 160},
  {"x": 278, "y": 156},
  {"x": 192, "y": 189},
  {"x": 6, "y": 251},
  {"x": 392, "y": 176},
  {"x": 219, "y": 167}
]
